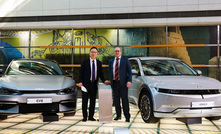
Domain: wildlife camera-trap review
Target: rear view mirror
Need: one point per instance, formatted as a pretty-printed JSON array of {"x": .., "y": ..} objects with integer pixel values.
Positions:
[
  {"x": 69, "y": 73},
  {"x": 199, "y": 72},
  {"x": 134, "y": 72}
]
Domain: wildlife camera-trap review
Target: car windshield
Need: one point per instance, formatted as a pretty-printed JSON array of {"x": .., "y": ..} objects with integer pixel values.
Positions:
[
  {"x": 166, "y": 67},
  {"x": 34, "y": 68}
]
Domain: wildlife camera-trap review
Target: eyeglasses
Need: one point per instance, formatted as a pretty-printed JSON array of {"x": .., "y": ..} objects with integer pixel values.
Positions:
[
  {"x": 93, "y": 52},
  {"x": 117, "y": 51}
]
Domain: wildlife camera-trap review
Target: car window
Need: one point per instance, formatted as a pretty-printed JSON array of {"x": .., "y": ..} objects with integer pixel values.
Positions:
[
  {"x": 166, "y": 67},
  {"x": 135, "y": 66},
  {"x": 34, "y": 68}
]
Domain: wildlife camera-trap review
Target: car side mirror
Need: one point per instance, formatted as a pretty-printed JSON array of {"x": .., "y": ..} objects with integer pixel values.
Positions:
[
  {"x": 199, "y": 72},
  {"x": 69, "y": 73},
  {"x": 134, "y": 72},
  {"x": 1, "y": 71}
]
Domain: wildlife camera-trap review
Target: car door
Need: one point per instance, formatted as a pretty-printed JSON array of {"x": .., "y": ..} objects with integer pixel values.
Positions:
[{"x": 133, "y": 92}]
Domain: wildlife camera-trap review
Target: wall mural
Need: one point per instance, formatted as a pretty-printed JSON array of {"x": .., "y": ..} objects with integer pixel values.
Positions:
[
  {"x": 94, "y": 39},
  {"x": 8, "y": 54},
  {"x": 63, "y": 38},
  {"x": 134, "y": 36},
  {"x": 58, "y": 39},
  {"x": 7, "y": 39},
  {"x": 201, "y": 55},
  {"x": 108, "y": 37},
  {"x": 157, "y": 36}
]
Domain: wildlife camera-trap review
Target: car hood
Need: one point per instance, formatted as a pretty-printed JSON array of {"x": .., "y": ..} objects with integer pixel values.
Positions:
[
  {"x": 36, "y": 82},
  {"x": 182, "y": 82}
]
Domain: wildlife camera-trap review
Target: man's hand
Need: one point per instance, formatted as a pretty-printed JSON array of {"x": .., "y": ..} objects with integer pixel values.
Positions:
[
  {"x": 80, "y": 84},
  {"x": 128, "y": 84},
  {"x": 107, "y": 82}
]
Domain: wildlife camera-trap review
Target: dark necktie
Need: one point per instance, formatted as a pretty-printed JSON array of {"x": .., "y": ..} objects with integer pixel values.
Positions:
[
  {"x": 93, "y": 71},
  {"x": 117, "y": 70}
]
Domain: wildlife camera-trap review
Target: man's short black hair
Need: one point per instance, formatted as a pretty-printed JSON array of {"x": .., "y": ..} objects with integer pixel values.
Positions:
[{"x": 93, "y": 48}]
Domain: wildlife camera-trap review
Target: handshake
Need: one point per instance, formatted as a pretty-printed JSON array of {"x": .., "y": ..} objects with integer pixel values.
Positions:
[{"x": 107, "y": 82}]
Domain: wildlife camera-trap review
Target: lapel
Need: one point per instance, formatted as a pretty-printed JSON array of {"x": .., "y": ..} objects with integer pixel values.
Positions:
[
  {"x": 89, "y": 66},
  {"x": 112, "y": 64},
  {"x": 121, "y": 62},
  {"x": 97, "y": 65}
]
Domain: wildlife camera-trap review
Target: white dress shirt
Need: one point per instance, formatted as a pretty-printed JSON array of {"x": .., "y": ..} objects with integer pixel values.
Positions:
[
  {"x": 115, "y": 60},
  {"x": 95, "y": 63}
]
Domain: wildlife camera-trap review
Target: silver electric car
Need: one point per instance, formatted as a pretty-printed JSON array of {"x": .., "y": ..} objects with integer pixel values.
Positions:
[
  {"x": 36, "y": 86},
  {"x": 167, "y": 87}
]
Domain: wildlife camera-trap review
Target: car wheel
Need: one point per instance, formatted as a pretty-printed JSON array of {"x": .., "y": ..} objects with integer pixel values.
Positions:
[
  {"x": 69, "y": 114},
  {"x": 146, "y": 108}
]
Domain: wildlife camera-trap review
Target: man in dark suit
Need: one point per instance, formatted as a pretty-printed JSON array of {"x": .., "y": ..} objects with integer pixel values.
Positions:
[
  {"x": 90, "y": 72},
  {"x": 121, "y": 78}
]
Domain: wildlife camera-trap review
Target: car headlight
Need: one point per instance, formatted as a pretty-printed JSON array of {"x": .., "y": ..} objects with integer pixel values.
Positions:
[
  {"x": 7, "y": 91},
  {"x": 69, "y": 90},
  {"x": 192, "y": 92},
  {"x": 173, "y": 91}
]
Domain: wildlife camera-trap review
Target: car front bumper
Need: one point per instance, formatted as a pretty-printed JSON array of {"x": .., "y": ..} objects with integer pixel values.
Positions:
[
  {"x": 182, "y": 106},
  {"x": 188, "y": 113},
  {"x": 18, "y": 103}
]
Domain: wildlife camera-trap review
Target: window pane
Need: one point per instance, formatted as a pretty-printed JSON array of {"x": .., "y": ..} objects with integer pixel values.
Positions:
[
  {"x": 142, "y": 36},
  {"x": 52, "y": 38},
  {"x": 200, "y": 35},
  {"x": 15, "y": 45}
]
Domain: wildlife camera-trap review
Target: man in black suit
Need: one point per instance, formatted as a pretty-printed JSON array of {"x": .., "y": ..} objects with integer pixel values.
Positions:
[
  {"x": 90, "y": 72},
  {"x": 121, "y": 78}
]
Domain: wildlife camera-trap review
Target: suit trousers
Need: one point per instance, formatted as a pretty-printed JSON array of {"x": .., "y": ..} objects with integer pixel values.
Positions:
[
  {"x": 92, "y": 92},
  {"x": 121, "y": 92}
]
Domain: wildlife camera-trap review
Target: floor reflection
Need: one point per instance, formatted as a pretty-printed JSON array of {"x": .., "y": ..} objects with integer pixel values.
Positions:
[{"x": 31, "y": 124}]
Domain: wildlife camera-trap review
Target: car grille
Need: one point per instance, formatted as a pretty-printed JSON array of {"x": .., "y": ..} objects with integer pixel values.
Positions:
[
  {"x": 39, "y": 108},
  {"x": 37, "y": 92},
  {"x": 196, "y": 92},
  {"x": 6, "y": 106},
  {"x": 69, "y": 104}
]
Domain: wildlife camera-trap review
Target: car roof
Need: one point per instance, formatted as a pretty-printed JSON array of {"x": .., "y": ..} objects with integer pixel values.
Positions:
[
  {"x": 154, "y": 58},
  {"x": 24, "y": 59}
]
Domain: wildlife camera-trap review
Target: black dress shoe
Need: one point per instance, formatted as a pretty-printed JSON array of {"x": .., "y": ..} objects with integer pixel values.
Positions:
[
  {"x": 84, "y": 120},
  {"x": 91, "y": 119},
  {"x": 117, "y": 118},
  {"x": 127, "y": 120}
]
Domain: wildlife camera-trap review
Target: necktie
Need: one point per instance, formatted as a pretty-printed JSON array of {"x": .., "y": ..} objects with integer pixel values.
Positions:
[
  {"x": 117, "y": 70},
  {"x": 93, "y": 71}
]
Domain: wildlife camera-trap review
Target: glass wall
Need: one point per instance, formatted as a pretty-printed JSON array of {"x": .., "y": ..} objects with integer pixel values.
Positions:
[
  {"x": 200, "y": 35},
  {"x": 43, "y": 41},
  {"x": 13, "y": 45},
  {"x": 71, "y": 46},
  {"x": 142, "y": 36}
]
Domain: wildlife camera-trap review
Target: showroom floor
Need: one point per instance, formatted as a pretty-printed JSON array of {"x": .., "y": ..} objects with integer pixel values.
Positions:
[{"x": 31, "y": 124}]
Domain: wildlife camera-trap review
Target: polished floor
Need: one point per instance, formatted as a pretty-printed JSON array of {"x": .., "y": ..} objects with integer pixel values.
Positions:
[{"x": 31, "y": 124}]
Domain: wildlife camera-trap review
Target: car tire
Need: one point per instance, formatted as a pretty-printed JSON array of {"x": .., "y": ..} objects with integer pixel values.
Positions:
[
  {"x": 69, "y": 114},
  {"x": 146, "y": 108}
]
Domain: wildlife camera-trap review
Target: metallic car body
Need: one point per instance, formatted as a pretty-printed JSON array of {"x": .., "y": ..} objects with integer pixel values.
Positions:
[
  {"x": 177, "y": 96},
  {"x": 17, "y": 92}
]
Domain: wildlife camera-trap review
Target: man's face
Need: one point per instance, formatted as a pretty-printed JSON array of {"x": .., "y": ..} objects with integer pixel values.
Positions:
[
  {"x": 117, "y": 52},
  {"x": 93, "y": 53}
]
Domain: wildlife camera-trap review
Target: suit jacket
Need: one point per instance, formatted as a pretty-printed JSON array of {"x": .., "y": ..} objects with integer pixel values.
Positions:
[
  {"x": 85, "y": 73},
  {"x": 125, "y": 73}
]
